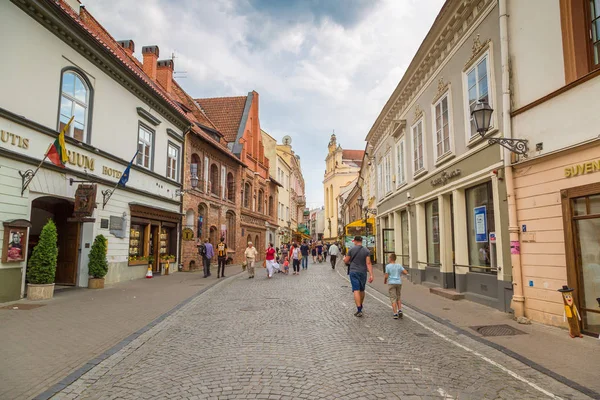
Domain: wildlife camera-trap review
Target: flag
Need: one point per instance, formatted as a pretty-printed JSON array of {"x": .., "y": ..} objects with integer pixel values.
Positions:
[
  {"x": 125, "y": 176},
  {"x": 57, "y": 153}
]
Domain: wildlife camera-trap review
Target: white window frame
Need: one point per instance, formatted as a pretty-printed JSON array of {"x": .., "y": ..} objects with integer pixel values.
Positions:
[
  {"x": 400, "y": 162},
  {"x": 145, "y": 143},
  {"x": 206, "y": 174},
  {"x": 473, "y": 138},
  {"x": 74, "y": 101},
  {"x": 423, "y": 168},
  {"x": 223, "y": 181},
  {"x": 388, "y": 172},
  {"x": 174, "y": 168},
  {"x": 450, "y": 150},
  {"x": 380, "y": 179}
]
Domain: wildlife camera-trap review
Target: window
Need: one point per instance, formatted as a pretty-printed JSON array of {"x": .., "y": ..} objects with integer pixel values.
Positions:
[
  {"x": 270, "y": 206},
  {"x": 477, "y": 89},
  {"x": 201, "y": 220},
  {"x": 214, "y": 179},
  {"x": 261, "y": 200},
  {"x": 230, "y": 187},
  {"x": 380, "y": 180},
  {"x": 432, "y": 217},
  {"x": 74, "y": 101},
  {"x": 247, "y": 194},
  {"x": 417, "y": 136},
  {"x": 172, "y": 162},
  {"x": 400, "y": 175},
  {"x": 442, "y": 127},
  {"x": 145, "y": 142},
  {"x": 206, "y": 174},
  {"x": 595, "y": 32},
  {"x": 388, "y": 173},
  {"x": 480, "y": 221},
  {"x": 287, "y": 213},
  {"x": 230, "y": 235},
  {"x": 195, "y": 166},
  {"x": 405, "y": 238},
  {"x": 223, "y": 178}
]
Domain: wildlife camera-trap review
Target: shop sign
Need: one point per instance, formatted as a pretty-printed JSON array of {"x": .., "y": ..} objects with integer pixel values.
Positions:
[
  {"x": 445, "y": 177},
  {"x": 187, "y": 234},
  {"x": 116, "y": 226},
  {"x": 14, "y": 246},
  {"x": 582, "y": 169},
  {"x": 480, "y": 224},
  {"x": 85, "y": 201},
  {"x": 14, "y": 140},
  {"x": 492, "y": 237}
]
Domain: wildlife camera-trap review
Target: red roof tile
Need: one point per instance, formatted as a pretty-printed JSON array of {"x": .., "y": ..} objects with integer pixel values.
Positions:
[
  {"x": 226, "y": 113},
  {"x": 354, "y": 155}
]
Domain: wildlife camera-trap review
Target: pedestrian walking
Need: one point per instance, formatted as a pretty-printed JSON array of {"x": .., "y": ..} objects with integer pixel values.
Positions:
[
  {"x": 202, "y": 254},
  {"x": 393, "y": 278},
  {"x": 221, "y": 258},
  {"x": 304, "y": 251},
  {"x": 295, "y": 256},
  {"x": 334, "y": 250},
  {"x": 250, "y": 255},
  {"x": 325, "y": 250},
  {"x": 270, "y": 260},
  {"x": 210, "y": 253},
  {"x": 359, "y": 261},
  {"x": 286, "y": 266},
  {"x": 314, "y": 252}
]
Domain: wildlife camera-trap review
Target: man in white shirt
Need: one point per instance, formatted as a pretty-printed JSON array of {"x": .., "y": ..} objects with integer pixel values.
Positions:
[
  {"x": 250, "y": 254},
  {"x": 334, "y": 250}
]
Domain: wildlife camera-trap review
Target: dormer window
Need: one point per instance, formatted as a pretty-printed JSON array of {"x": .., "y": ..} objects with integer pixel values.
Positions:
[{"x": 75, "y": 100}]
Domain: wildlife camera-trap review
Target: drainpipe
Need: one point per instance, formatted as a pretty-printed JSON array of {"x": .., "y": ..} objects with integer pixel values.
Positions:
[{"x": 518, "y": 300}]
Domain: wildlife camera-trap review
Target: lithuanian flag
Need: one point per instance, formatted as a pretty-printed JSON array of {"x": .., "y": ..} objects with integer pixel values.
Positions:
[{"x": 57, "y": 153}]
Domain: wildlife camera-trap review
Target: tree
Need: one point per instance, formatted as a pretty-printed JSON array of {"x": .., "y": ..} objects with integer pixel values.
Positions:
[
  {"x": 42, "y": 264},
  {"x": 98, "y": 264}
]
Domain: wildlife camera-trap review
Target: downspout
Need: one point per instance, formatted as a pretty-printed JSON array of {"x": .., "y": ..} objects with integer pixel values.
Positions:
[{"x": 518, "y": 300}]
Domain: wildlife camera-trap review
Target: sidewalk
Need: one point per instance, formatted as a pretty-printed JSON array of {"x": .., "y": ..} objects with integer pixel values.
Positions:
[
  {"x": 40, "y": 346},
  {"x": 550, "y": 348}
]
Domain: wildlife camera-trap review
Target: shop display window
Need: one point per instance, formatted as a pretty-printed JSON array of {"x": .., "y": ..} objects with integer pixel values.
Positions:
[
  {"x": 480, "y": 222},
  {"x": 136, "y": 244},
  {"x": 433, "y": 233}
]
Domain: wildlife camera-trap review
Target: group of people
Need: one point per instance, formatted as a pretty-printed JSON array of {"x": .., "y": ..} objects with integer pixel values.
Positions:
[{"x": 206, "y": 251}]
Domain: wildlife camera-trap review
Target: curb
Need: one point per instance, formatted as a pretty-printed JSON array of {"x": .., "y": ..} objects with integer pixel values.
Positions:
[{"x": 78, "y": 373}]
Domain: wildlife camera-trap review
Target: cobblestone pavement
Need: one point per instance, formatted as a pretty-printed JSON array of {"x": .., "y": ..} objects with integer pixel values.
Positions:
[{"x": 295, "y": 337}]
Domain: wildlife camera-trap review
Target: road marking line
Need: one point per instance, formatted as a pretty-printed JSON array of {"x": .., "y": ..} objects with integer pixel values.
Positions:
[{"x": 467, "y": 349}]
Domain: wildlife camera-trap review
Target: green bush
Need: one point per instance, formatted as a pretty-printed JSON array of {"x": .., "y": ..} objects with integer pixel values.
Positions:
[
  {"x": 41, "y": 268},
  {"x": 98, "y": 264}
]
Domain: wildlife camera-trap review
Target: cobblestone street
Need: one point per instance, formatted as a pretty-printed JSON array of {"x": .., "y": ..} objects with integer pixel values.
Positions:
[{"x": 296, "y": 337}]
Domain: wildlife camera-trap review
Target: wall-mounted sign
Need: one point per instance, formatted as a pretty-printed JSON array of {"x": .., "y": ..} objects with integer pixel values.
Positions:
[
  {"x": 187, "y": 234},
  {"x": 85, "y": 200},
  {"x": 480, "y": 224},
  {"x": 445, "y": 177},
  {"x": 14, "y": 140},
  {"x": 492, "y": 237},
  {"x": 117, "y": 225},
  {"x": 115, "y": 173},
  {"x": 14, "y": 247},
  {"x": 582, "y": 169}
]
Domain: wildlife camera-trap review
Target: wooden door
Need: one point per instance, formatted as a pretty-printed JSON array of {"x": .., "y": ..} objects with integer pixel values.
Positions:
[
  {"x": 155, "y": 248},
  {"x": 68, "y": 253}
]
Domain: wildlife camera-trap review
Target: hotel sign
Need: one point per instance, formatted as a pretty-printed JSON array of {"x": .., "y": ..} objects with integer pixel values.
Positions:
[{"x": 582, "y": 169}]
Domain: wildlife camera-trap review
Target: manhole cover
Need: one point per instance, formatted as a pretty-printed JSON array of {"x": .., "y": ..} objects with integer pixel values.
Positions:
[
  {"x": 422, "y": 334},
  {"x": 19, "y": 306},
  {"x": 497, "y": 330}
]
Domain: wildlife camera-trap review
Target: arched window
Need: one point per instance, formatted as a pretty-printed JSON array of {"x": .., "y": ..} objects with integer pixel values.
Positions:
[
  {"x": 189, "y": 218},
  {"x": 230, "y": 187},
  {"x": 230, "y": 222},
  {"x": 214, "y": 179},
  {"x": 202, "y": 214},
  {"x": 247, "y": 195},
  {"x": 75, "y": 101},
  {"x": 261, "y": 199},
  {"x": 271, "y": 206},
  {"x": 195, "y": 167}
]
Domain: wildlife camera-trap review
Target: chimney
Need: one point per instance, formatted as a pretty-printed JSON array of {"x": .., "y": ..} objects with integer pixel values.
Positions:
[
  {"x": 150, "y": 54},
  {"x": 128, "y": 45},
  {"x": 74, "y": 4},
  {"x": 165, "y": 74}
]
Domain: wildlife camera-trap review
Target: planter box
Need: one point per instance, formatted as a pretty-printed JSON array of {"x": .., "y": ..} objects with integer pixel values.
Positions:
[
  {"x": 138, "y": 262},
  {"x": 96, "y": 283},
  {"x": 40, "y": 292}
]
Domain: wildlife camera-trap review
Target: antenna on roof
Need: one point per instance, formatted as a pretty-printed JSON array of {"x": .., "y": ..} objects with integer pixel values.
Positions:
[{"x": 178, "y": 74}]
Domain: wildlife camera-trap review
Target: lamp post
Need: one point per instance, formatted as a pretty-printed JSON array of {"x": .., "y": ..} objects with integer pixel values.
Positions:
[
  {"x": 482, "y": 115},
  {"x": 194, "y": 184}
]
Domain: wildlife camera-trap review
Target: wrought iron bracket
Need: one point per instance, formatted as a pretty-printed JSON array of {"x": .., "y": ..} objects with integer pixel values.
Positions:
[
  {"x": 106, "y": 195},
  {"x": 517, "y": 146},
  {"x": 26, "y": 178}
]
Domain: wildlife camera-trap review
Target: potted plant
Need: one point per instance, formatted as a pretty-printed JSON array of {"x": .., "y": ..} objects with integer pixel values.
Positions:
[
  {"x": 98, "y": 264},
  {"x": 41, "y": 268}
]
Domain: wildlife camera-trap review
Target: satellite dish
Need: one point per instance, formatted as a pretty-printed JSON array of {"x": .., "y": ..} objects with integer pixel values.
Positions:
[{"x": 287, "y": 140}]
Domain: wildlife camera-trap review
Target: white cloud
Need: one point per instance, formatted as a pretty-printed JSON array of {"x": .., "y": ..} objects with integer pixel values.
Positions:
[{"x": 313, "y": 74}]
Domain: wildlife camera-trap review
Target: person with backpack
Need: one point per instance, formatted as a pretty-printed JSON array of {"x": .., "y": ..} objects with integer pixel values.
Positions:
[
  {"x": 221, "y": 258},
  {"x": 359, "y": 261},
  {"x": 202, "y": 254}
]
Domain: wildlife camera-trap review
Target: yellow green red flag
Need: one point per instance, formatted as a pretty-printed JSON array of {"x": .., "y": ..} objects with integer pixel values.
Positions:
[{"x": 57, "y": 153}]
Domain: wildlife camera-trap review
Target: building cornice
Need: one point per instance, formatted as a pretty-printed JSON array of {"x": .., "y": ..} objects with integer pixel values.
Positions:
[
  {"x": 49, "y": 15},
  {"x": 450, "y": 27}
]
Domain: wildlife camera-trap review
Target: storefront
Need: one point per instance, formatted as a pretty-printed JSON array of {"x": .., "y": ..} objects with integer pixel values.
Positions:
[
  {"x": 559, "y": 216},
  {"x": 447, "y": 229}
]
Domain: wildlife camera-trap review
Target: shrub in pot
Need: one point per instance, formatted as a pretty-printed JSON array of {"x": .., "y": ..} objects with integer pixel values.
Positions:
[
  {"x": 41, "y": 268},
  {"x": 98, "y": 264}
]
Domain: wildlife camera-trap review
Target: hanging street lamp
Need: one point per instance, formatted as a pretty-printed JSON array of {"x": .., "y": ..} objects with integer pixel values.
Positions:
[{"x": 482, "y": 115}]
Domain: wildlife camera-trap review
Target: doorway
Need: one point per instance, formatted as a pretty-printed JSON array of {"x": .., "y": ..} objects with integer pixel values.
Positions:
[
  {"x": 389, "y": 243},
  {"x": 59, "y": 210}
]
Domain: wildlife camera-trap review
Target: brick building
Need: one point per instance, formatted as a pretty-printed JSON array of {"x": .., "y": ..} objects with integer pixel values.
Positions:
[{"x": 238, "y": 119}]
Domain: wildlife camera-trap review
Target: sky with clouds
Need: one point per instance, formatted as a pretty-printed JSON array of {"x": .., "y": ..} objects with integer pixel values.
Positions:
[{"x": 318, "y": 65}]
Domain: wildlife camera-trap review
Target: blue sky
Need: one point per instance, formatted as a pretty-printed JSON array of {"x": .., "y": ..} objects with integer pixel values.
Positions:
[{"x": 318, "y": 65}]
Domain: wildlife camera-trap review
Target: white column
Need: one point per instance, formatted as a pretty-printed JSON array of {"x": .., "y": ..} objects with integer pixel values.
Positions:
[
  {"x": 397, "y": 233},
  {"x": 421, "y": 255},
  {"x": 503, "y": 273},
  {"x": 461, "y": 247}
]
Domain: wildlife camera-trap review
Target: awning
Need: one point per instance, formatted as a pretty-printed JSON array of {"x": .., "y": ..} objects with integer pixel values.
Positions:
[
  {"x": 361, "y": 223},
  {"x": 302, "y": 235}
]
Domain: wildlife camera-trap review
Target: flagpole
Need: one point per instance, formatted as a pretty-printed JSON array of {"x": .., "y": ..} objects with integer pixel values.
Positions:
[{"x": 107, "y": 194}]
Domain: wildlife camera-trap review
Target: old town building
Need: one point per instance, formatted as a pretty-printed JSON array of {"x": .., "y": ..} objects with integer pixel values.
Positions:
[
  {"x": 237, "y": 118},
  {"x": 556, "y": 190},
  {"x": 342, "y": 167},
  {"x": 120, "y": 105},
  {"x": 289, "y": 163},
  {"x": 441, "y": 195}
]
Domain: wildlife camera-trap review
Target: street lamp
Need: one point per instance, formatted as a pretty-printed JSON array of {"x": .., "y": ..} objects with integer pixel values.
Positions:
[
  {"x": 193, "y": 182},
  {"x": 482, "y": 115},
  {"x": 360, "y": 201}
]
